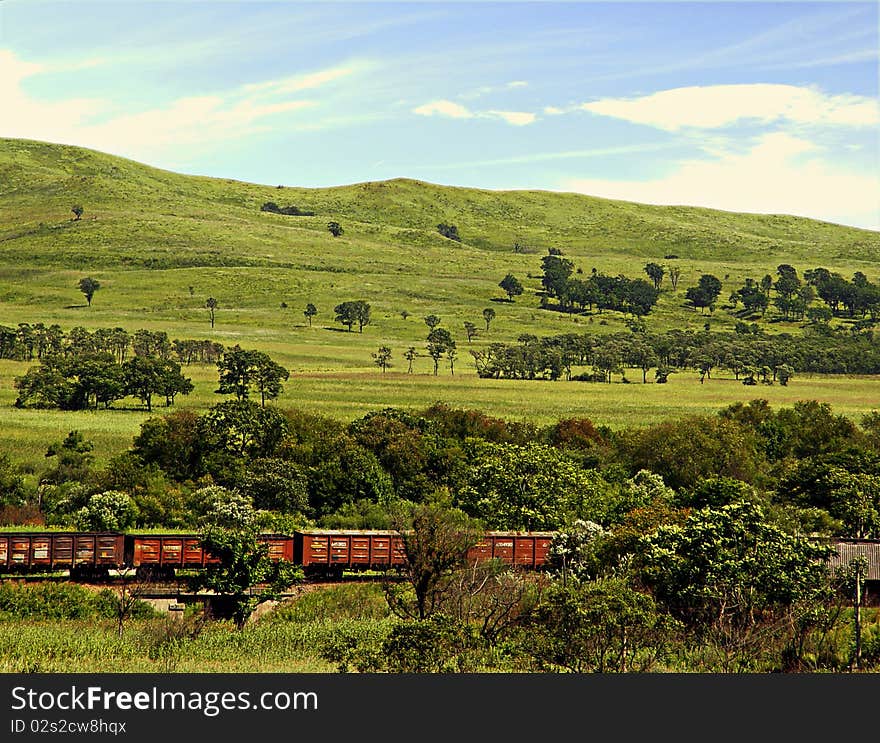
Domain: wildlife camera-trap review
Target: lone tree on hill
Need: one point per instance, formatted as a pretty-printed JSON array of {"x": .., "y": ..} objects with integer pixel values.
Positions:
[
  {"x": 211, "y": 304},
  {"x": 77, "y": 212},
  {"x": 310, "y": 311},
  {"x": 511, "y": 286},
  {"x": 335, "y": 229},
  {"x": 470, "y": 329},
  {"x": 89, "y": 286},
  {"x": 488, "y": 316}
]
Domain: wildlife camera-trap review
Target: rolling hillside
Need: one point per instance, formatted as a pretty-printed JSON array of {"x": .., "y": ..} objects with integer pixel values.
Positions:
[{"x": 161, "y": 243}]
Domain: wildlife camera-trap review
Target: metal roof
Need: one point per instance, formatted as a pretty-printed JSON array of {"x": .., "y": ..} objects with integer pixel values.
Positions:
[{"x": 848, "y": 549}]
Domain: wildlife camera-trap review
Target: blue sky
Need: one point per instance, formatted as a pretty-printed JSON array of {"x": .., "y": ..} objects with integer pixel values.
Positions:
[{"x": 747, "y": 106}]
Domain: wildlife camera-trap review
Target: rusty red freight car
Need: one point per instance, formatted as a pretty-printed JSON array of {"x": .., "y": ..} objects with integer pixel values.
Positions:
[
  {"x": 525, "y": 549},
  {"x": 84, "y": 554},
  {"x": 160, "y": 556},
  {"x": 330, "y": 551}
]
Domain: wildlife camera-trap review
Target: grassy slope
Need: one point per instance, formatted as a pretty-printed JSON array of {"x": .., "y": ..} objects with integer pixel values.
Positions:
[{"x": 160, "y": 243}]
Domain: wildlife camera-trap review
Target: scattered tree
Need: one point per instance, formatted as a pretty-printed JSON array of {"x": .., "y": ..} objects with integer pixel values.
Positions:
[
  {"x": 410, "y": 355},
  {"x": 488, "y": 316},
  {"x": 89, "y": 286},
  {"x": 310, "y": 311},
  {"x": 655, "y": 272},
  {"x": 382, "y": 358},
  {"x": 211, "y": 304},
  {"x": 450, "y": 231},
  {"x": 512, "y": 286},
  {"x": 77, "y": 212},
  {"x": 335, "y": 229}
]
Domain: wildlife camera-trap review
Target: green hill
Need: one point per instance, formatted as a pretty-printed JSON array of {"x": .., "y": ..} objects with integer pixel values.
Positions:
[{"x": 161, "y": 243}]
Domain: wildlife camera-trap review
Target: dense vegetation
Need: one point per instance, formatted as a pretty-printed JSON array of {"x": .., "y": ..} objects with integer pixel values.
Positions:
[{"x": 690, "y": 531}]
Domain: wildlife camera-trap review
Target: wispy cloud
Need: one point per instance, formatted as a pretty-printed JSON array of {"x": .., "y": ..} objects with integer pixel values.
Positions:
[
  {"x": 181, "y": 122},
  {"x": 713, "y": 106},
  {"x": 537, "y": 157},
  {"x": 779, "y": 174},
  {"x": 449, "y": 109},
  {"x": 452, "y": 110},
  {"x": 298, "y": 83}
]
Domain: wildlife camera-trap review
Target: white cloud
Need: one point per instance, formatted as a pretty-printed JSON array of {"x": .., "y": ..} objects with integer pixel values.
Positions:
[
  {"x": 444, "y": 108},
  {"x": 149, "y": 133},
  {"x": 553, "y": 110},
  {"x": 31, "y": 118},
  {"x": 780, "y": 174},
  {"x": 516, "y": 118},
  {"x": 517, "y": 84},
  {"x": 713, "y": 106},
  {"x": 454, "y": 110}
]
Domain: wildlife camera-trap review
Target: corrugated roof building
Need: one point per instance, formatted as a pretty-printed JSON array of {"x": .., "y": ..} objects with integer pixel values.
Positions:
[{"x": 846, "y": 550}]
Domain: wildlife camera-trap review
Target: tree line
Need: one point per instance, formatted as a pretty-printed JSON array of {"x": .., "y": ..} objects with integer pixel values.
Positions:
[{"x": 750, "y": 356}]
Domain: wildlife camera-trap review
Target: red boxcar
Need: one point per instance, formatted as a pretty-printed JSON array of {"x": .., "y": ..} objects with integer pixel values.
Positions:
[
  {"x": 520, "y": 548},
  {"x": 332, "y": 551},
  {"x": 161, "y": 555},
  {"x": 82, "y": 553}
]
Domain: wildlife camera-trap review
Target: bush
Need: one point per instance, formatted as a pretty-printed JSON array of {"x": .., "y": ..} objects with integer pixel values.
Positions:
[{"x": 61, "y": 601}]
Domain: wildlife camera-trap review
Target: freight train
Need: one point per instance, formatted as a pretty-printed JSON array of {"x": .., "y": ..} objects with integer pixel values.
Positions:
[{"x": 320, "y": 552}]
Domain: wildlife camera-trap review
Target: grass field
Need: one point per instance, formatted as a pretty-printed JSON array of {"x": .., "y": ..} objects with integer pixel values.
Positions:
[
  {"x": 161, "y": 243},
  {"x": 349, "y": 395}
]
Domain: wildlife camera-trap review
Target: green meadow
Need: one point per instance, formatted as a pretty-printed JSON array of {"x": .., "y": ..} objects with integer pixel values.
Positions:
[{"x": 161, "y": 243}]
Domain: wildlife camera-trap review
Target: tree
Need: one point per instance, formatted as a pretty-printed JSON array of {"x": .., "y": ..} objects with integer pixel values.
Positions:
[
  {"x": 449, "y": 231},
  {"x": 145, "y": 377},
  {"x": 382, "y": 358},
  {"x": 452, "y": 355},
  {"x": 733, "y": 577},
  {"x": 349, "y": 313},
  {"x": 705, "y": 293},
  {"x": 89, "y": 286},
  {"x": 512, "y": 286},
  {"x": 241, "y": 428},
  {"x": 410, "y": 355},
  {"x": 435, "y": 542},
  {"x": 556, "y": 273},
  {"x": 277, "y": 485},
  {"x": 362, "y": 314},
  {"x": 432, "y": 321},
  {"x": 599, "y": 626},
  {"x": 404, "y": 314},
  {"x": 335, "y": 229},
  {"x": 674, "y": 276},
  {"x": 268, "y": 376},
  {"x": 211, "y": 304},
  {"x": 533, "y": 487},
  {"x": 488, "y": 316},
  {"x": 77, "y": 211},
  {"x": 439, "y": 342},
  {"x": 109, "y": 511},
  {"x": 231, "y": 534},
  {"x": 310, "y": 311},
  {"x": 346, "y": 313},
  {"x": 241, "y": 369},
  {"x": 655, "y": 272},
  {"x": 470, "y": 330}
]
